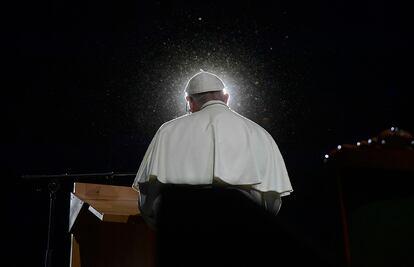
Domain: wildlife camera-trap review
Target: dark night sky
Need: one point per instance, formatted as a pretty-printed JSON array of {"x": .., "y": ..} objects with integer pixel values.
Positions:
[
  {"x": 89, "y": 82},
  {"x": 94, "y": 80}
]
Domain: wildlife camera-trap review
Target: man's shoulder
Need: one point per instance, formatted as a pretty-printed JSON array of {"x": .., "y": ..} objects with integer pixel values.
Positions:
[
  {"x": 252, "y": 124},
  {"x": 229, "y": 117},
  {"x": 174, "y": 122}
]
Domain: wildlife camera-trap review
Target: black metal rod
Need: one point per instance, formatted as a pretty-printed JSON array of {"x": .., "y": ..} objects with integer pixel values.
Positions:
[
  {"x": 79, "y": 175},
  {"x": 53, "y": 187}
]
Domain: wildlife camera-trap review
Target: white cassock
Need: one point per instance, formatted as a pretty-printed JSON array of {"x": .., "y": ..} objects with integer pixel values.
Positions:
[{"x": 215, "y": 143}]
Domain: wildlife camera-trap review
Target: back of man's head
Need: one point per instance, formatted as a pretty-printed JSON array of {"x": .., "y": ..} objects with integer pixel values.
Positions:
[
  {"x": 203, "y": 87},
  {"x": 203, "y": 82}
]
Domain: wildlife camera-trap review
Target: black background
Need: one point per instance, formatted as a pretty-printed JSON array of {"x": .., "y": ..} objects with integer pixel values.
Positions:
[{"x": 88, "y": 83}]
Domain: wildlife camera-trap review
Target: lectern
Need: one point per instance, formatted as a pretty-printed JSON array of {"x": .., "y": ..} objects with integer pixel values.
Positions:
[
  {"x": 376, "y": 200},
  {"x": 107, "y": 229}
]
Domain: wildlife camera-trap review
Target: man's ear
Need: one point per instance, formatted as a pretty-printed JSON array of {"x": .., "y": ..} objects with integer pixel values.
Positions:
[
  {"x": 190, "y": 103},
  {"x": 226, "y": 98}
]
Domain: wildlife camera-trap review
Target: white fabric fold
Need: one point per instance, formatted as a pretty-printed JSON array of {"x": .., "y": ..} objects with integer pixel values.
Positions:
[{"x": 215, "y": 143}]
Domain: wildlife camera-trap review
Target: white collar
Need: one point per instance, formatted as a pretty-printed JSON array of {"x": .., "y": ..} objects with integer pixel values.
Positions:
[{"x": 212, "y": 102}]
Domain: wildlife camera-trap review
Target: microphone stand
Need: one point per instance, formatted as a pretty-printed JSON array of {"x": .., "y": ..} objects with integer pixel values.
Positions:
[{"x": 53, "y": 187}]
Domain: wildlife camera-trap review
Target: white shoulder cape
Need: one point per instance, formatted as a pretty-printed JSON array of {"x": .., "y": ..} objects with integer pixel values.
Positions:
[{"x": 215, "y": 142}]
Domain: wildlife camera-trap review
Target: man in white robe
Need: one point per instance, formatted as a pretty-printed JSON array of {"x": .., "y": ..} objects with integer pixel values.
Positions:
[{"x": 212, "y": 146}]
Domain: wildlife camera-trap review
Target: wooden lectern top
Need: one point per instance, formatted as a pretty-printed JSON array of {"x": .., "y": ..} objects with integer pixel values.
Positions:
[
  {"x": 107, "y": 229},
  {"x": 107, "y": 202}
]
